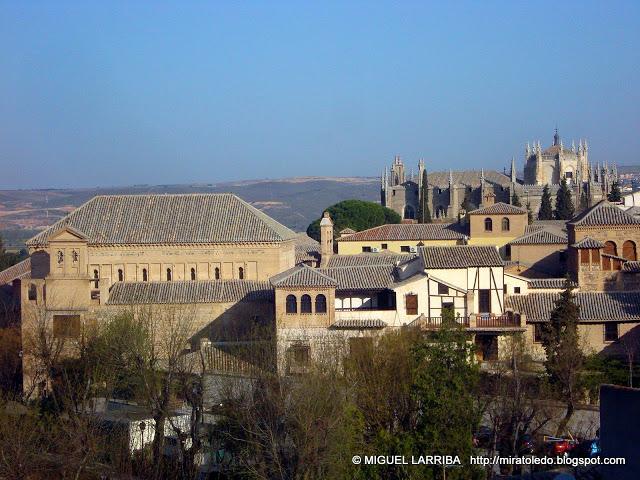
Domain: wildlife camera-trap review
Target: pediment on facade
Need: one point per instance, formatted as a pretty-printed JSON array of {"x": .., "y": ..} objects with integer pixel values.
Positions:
[{"x": 68, "y": 234}]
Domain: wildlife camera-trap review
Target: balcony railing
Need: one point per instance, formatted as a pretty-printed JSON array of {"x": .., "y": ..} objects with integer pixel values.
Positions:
[{"x": 506, "y": 320}]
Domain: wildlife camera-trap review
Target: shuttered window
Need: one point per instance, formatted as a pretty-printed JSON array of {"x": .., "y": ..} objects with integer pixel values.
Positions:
[{"x": 411, "y": 302}]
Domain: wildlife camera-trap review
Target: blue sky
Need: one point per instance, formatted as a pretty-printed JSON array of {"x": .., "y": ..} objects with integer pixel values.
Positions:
[{"x": 120, "y": 93}]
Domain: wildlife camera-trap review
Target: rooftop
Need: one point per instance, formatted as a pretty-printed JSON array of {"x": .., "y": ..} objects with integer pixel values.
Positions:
[
  {"x": 169, "y": 219},
  {"x": 19, "y": 270},
  {"x": 408, "y": 231},
  {"x": 588, "y": 242},
  {"x": 302, "y": 276},
  {"x": 460, "y": 256},
  {"x": 540, "y": 236},
  {"x": 186, "y": 292},
  {"x": 594, "y": 307},
  {"x": 499, "y": 208},
  {"x": 604, "y": 213},
  {"x": 369, "y": 259}
]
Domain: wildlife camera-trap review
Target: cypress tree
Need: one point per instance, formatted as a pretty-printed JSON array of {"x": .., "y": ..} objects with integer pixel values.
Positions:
[
  {"x": 466, "y": 202},
  {"x": 515, "y": 200},
  {"x": 561, "y": 342},
  {"x": 424, "y": 213},
  {"x": 529, "y": 214},
  {"x": 585, "y": 199},
  {"x": 546, "y": 211},
  {"x": 615, "y": 195},
  {"x": 564, "y": 203}
]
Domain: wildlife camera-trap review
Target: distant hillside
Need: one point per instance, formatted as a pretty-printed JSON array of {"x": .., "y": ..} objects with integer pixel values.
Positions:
[{"x": 295, "y": 202}]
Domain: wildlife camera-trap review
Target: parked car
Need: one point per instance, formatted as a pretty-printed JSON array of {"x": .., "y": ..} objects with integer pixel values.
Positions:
[{"x": 558, "y": 447}]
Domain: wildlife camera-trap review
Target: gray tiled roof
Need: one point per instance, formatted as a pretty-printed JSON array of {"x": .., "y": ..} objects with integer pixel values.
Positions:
[
  {"x": 635, "y": 211},
  {"x": 540, "y": 237},
  {"x": 408, "y": 231},
  {"x": 548, "y": 283},
  {"x": 460, "y": 256},
  {"x": 170, "y": 219},
  {"x": 588, "y": 242},
  {"x": 19, "y": 270},
  {"x": 631, "y": 267},
  {"x": 370, "y": 277},
  {"x": 357, "y": 324},
  {"x": 499, "y": 208},
  {"x": 594, "y": 307},
  {"x": 604, "y": 213},
  {"x": 302, "y": 276},
  {"x": 368, "y": 259},
  {"x": 307, "y": 249},
  {"x": 201, "y": 291}
]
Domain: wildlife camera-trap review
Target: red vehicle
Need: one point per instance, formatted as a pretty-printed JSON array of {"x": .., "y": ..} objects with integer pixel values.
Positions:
[{"x": 557, "y": 447}]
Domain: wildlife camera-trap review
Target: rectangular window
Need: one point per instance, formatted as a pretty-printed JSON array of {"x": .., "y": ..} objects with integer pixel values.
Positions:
[
  {"x": 537, "y": 333},
  {"x": 66, "y": 326},
  {"x": 443, "y": 289},
  {"x": 484, "y": 301},
  {"x": 595, "y": 256},
  {"x": 610, "y": 332},
  {"x": 516, "y": 290},
  {"x": 405, "y": 249},
  {"x": 504, "y": 288},
  {"x": 298, "y": 358},
  {"x": 384, "y": 246},
  {"x": 411, "y": 303},
  {"x": 366, "y": 249}
]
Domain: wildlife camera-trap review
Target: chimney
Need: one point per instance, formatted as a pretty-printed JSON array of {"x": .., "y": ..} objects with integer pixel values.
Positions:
[
  {"x": 489, "y": 199},
  {"x": 326, "y": 238}
]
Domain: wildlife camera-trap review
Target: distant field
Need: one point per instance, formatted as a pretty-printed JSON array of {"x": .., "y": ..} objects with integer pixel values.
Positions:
[{"x": 295, "y": 202}]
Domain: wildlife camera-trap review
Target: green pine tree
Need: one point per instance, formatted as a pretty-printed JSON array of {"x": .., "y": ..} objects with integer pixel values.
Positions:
[
  {"x": 515, "y": 200},
  {"x": 424, "y": 213},
  {"x": 446, "y": 380},
  {"x": 546, "y": 211},
  {"x": 585, "y": 199},
  {"x": 564, "y": 356},
  {"x": 564, "y": 203},
  {"x": 615, "y": 195}
]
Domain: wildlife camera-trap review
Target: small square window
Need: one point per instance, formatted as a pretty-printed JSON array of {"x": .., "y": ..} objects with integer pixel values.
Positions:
[
  {"x": 366, "y": 249},
  {"x": 405, "y": 249},
  {"x": 610, "y": 332},
  {"x": 384, "y": 246},
  {"x": 516, "y": 290},
  {"x": 443, "y": 289}
]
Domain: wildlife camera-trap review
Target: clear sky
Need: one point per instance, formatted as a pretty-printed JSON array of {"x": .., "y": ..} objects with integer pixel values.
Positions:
[{"x": 119, "y": 93}]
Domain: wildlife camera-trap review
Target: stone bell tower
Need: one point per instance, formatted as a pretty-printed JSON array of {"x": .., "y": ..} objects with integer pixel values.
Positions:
[{"x": 326, "y": 239}]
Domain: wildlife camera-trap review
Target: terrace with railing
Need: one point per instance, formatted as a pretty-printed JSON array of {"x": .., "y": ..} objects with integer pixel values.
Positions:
[{"x": 479, "y": 321}]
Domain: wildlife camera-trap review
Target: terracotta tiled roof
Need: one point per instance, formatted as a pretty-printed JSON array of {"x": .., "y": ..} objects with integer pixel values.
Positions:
[
  {"x": 540, "y": 237},
  {"x": 170, "y": 219},
  {"x": 347, "y": 231},
  {"x": 548, "y": 283},
  {"x": 302, "y": 276},
  {"x": 19, "y": 270},
  {"x": 588, "y": 242},
  {"x": 460, "y": 256},
  {"x": 499, "y": 208},
  {"x": 408, "y": 231},
  {"x": 631, "y": 267},
  {"x": 368, "y": 259},
  {"x": 604, "y": 213},
  {"x": 594, "y": 307},
  {"x": 201, "y": 291},
  {"x": 357, "y": 324}
]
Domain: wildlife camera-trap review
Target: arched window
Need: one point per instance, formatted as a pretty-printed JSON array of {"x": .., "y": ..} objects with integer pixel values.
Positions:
[
  {"x": 505, "y": 224},
  {"x": 241, "y": 273},
  {"x": 305, "y": 304},
  {"x": 144, "y": 275},
  {"x": 95, "y": 276},
  {"x": 120, "y": 275},
  {"x": 33, "y": 292},
  {"x": 321, "y": 304},
  {"x": 216, "y": 273},
  {"x": 193, "y": 274},
  {"x": 629, "y": 250},
  {"x": 488, "y": 225},
  {"x": 168, "y": 274},
  {"x": 610, "y": 248},
  {"x": 292, "y": 304}
]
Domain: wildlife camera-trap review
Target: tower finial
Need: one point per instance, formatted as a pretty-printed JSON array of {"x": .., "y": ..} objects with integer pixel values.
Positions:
[
  {"x": 556, "y": 137},
  {"x": 513, "y": 169}
]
